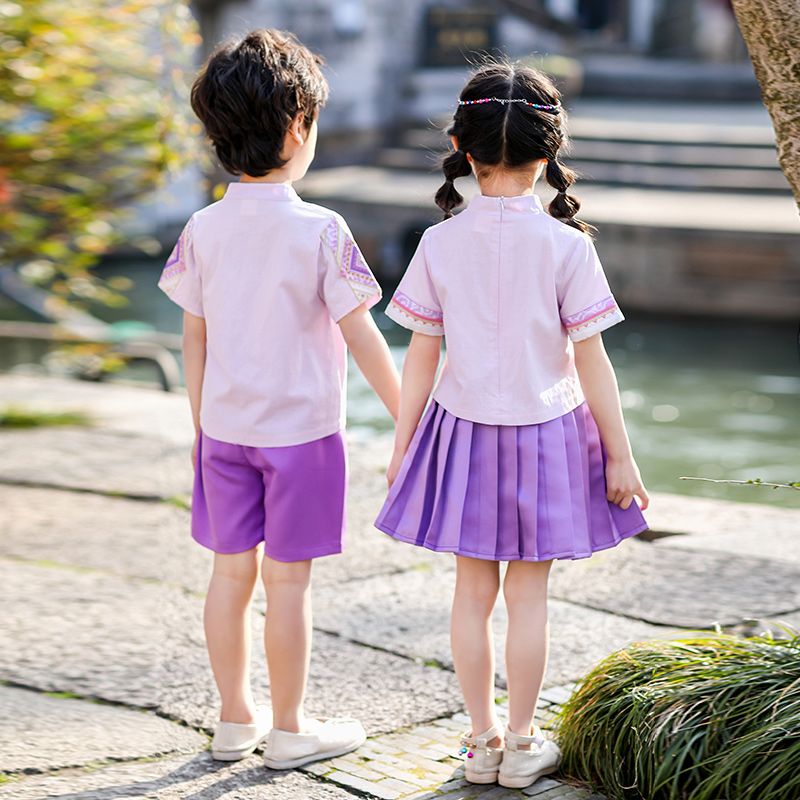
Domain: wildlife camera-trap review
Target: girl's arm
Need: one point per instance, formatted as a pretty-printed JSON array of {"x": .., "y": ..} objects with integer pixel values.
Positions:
[
  {"x": 372, "y": 355},
  {"x": 602, "y": 394},
  {"x": 194, "y": 364},
  {"x": 419, "y": 373}
]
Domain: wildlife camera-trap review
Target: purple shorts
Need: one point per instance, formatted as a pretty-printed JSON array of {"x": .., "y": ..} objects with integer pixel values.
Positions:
[{"x": 291, "y": 498}]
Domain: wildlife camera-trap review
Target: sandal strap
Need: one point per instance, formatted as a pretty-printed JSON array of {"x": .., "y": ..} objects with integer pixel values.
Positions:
[
  {"x": 514, "y": 740},
  {"x": 483, "y": 739}
]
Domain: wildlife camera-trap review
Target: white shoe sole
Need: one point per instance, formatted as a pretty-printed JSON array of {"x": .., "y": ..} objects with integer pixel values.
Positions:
[
  {"x": 236, "y": 755},
  {"x": 272, "y": 763},
  {"x": 524, "y": 782}
]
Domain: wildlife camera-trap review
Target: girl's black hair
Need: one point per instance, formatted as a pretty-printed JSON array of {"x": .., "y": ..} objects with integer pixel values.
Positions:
[{"x": 510, "y": 135}]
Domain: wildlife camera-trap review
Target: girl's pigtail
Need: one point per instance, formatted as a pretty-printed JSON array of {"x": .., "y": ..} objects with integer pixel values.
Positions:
[
  {"x": 456, "y": 165},
  {"x": 564, "y": 206}
]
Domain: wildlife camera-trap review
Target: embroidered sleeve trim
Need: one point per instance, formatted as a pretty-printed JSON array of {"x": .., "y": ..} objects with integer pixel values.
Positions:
[
  {"x": 176, "y": 263},
  {"x": 424, "y": 314},
  {"x": 594, "y": 319},
  {"x": 587, "y": 315},
  {"x": 352, "y": 266}
]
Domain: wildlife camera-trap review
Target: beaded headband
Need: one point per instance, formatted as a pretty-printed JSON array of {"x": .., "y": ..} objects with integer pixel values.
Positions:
[{"x": 504, "y": 100}]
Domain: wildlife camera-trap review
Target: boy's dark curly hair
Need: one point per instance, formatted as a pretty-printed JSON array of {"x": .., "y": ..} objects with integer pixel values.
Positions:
[{"x": 248, "y": 93}]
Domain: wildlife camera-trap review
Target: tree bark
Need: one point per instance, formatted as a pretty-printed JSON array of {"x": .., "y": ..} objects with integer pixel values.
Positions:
[{"x": 771, "y": 30}]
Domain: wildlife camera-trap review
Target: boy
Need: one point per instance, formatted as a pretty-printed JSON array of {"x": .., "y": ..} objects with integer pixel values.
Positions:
[{"x": 274, "y": 290}]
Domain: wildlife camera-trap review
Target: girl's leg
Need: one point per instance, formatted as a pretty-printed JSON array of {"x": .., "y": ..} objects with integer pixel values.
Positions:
[
  {"x": 525, "y": 590},
  {"x": 227, "y": 625},
  {"x": 287, "y": 638},
  {"x": 477, "y": 584}
]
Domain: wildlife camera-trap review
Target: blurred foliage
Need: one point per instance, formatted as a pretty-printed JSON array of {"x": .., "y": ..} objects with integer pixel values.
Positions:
[
  {"x": 94, "y": 115},
  {"x": 14, "y": 417}
]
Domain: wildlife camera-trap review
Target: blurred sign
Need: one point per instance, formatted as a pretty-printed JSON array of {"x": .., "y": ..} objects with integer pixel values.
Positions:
[{"x": 452, "y": 35}]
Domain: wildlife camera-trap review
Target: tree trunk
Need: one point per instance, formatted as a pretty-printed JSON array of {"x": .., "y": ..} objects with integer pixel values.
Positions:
[{"x": 771, "y": 29}]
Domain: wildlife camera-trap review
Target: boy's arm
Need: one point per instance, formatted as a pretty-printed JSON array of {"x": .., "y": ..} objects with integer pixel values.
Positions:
[
  {"x": 419, "y": 373},
  {"x": 194, "y": 363},
  {"x": 599, "y": 385},
  {"x": 372, "y": 355}
]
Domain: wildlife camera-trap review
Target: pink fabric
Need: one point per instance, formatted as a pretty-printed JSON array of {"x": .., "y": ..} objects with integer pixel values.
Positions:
[
  {"x": 271, "y": 275},
  {"x": 510, "y": 288}
]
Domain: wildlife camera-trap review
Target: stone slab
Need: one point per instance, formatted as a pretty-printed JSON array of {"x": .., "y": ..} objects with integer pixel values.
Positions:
[
  {"x": 97, "y": 460},
  {"x": 141, "y": 644},
  {"x": 116, "y": 408},
  {"x": 746, "y": 529},
  {"x": 40, "y": 733},
  {"x": 409, "y": 614},
  {"x": 685, "y": 588},
  {"x": 152, "y": 540},
  {"x": 128, "y": 538},
  {"x": 197, "y": 777}
]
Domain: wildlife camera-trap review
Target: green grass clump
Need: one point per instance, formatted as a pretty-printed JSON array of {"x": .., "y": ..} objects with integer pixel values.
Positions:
[
  {"x": 708, "y": 718},
  {"x": 24, "y": 418}
]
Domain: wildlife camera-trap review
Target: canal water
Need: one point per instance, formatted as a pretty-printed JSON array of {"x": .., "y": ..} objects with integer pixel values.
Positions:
[{"x": 702, "y": 397}]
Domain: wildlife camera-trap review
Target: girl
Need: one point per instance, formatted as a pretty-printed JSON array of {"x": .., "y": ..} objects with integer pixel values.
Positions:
[
  {"x": 273, "y": 289},
  {"x": 523, "y": 455}
]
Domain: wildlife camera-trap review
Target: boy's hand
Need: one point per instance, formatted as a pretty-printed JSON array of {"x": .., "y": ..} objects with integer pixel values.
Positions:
[{"x": 623, "y": 483}]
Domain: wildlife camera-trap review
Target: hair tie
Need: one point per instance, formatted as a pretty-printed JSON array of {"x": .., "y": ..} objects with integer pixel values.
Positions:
[{"x": 552, "y": 108}]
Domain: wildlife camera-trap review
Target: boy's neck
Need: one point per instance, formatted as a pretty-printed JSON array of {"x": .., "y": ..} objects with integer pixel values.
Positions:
[{"x": 275, "y": 176}]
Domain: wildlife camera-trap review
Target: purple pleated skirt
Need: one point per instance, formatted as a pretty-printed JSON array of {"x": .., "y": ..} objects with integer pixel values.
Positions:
[{"x": 505, "y": 492}]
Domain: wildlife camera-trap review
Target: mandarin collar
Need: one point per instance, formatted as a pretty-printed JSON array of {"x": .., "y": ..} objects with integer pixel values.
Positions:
[
  {"x": 269, "y": 191},
  {"x": 521, "y": 202}
]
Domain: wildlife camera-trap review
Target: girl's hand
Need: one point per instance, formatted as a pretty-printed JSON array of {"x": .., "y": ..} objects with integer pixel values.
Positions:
[
  {"x": 194, "y": 450},
  {"x": 394, "y": 467},
  {"x": 623, "y": 483}
]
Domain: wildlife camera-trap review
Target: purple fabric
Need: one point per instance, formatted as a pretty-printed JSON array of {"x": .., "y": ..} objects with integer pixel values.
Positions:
[
  {"x": 507, "y": 493},
  {"x": 291, "y": 498}
]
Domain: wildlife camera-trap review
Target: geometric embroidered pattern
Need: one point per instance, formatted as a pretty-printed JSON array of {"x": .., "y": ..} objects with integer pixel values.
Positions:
[
  {"x": 416, "y": 311},
  {"x": 176, "y": 263},
  {"x": 352, "y": 266},
  {"x": 596, "y": 316}
]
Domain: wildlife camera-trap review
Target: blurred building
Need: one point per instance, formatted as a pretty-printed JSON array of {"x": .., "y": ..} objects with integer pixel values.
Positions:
[
  {"x": 389, "y": 61},
  {"x": 675, "y": 148}
]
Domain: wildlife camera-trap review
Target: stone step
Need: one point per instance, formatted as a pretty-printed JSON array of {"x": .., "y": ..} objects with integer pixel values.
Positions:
[
  {"x": 687, "y": 178},
  {"x": 637, "y": 170}
]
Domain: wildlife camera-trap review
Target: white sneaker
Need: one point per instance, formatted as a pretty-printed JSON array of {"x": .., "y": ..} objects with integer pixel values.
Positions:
[
  {"x": 321, "y": 739},
  {"x": 481, "y": 762},
  {"x": 521, "y": 768},
  {"x": 234, "y": 741}
]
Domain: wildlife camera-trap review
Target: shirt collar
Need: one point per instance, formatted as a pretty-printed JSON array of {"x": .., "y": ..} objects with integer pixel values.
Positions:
[
  {"x": 522, "y": 202},
  {"x": 267, "y": 191}
]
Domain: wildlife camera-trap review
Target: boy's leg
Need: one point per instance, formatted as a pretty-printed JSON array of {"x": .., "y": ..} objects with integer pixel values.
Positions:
[
  {"x": 477, "y": 584},
  {"x": 525, "y": 591},
  {"x": 227, "y": 626},
  {"x": 287, "y": 638}
]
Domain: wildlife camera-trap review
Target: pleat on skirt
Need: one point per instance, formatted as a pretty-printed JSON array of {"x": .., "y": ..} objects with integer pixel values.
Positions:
[{"x": 505, "y": 492}]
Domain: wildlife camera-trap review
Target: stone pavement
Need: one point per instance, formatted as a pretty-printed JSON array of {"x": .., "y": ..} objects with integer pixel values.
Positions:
[{"x": 105, "y": 690}]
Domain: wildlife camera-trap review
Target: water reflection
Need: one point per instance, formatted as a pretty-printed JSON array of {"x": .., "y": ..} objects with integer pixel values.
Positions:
[{"x": 710, "y": 398}]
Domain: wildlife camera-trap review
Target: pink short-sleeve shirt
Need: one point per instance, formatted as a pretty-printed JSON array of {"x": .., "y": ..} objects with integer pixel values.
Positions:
[
  {"x": 271, "y": 275},
  {"x": 510, "y": 288}
]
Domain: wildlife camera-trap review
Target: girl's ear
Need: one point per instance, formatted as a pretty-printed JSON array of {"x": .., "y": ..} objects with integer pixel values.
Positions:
[{"x": 297, "y": 130}]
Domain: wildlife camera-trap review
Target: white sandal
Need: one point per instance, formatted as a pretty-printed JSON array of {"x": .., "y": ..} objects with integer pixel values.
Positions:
[
  {"x": 481, "y": 762},
  {"x": 522, "y": 767}
]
